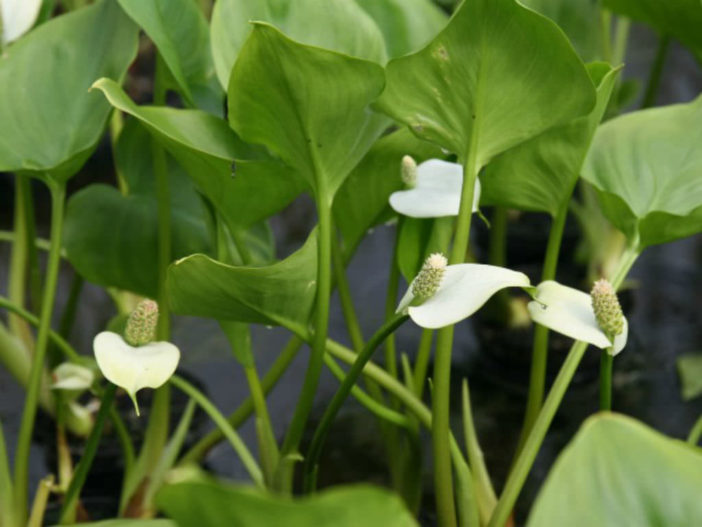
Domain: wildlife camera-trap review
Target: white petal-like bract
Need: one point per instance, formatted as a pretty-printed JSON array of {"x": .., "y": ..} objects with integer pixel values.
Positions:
[
  {"x": 17, "y": 17},
  {"x": 437, "y": 192},
  {"x": 134, "y": 368},
  {"x": 69, "y": 376},
  {"x": 463, "y": 290},
  {"x": 569, "y": 311}
]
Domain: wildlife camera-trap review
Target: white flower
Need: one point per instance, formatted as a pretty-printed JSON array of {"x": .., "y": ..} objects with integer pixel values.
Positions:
[
  {"x": 463, "y": 290},
  {"x": 72, "y": 377},
  {"x": 436, "y": 193},
  {"x": 569, "y": 311},
  {"x": 17, "y": 17},
  {"x": 134, "y": 368}
]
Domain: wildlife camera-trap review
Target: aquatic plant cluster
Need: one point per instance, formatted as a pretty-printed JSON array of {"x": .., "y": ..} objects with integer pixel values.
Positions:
[{"x": 431, "y": 118}]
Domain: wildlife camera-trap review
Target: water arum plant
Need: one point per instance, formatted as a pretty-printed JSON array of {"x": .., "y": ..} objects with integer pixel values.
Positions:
[{"x": 279, "y": 152}]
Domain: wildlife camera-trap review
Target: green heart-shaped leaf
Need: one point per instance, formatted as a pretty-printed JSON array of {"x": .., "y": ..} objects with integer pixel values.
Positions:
[
  {"x": 50, "y": 123},
  {"x": 579, "y": 19},
  {"x": 226, "y": 170},
  {"x": 213, "y": 504},
  {"x": 182, "y": 36},
  {"x": 539, "y": 174},
  {"x": 681, "y": 19},
  {"x": 339, "y": 25},
  {"x": 111, "y": 239},
  {"x": 497, "y": 75},
  {"x": 307, "y": 105},
  {"x": 362, "y": 200},
  {"x": 407, "y": 25},
  {"x": 616, "y": 472},
  {"x": 647, "y": 168},
  {"x": 281, "y": 294}
]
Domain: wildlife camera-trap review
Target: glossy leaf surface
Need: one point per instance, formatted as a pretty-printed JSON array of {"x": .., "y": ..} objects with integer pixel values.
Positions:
[
  {"x": 617, "y": 471},
  {"x": 307, "y": 105},
  {"x": 647, "y": 168},
  {"x": 50, "y": 123},
  {"x": 494, "y": 77}
]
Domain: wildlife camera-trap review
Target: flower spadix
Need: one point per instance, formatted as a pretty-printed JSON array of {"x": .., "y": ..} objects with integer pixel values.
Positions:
[
  {"x": 136, "y": 362},
  {"x": 458, "y": 292},
  {"x": 570, "y": 312},
  {"x": 16, "y": 18},
  {"x": 434, "y": 189}
]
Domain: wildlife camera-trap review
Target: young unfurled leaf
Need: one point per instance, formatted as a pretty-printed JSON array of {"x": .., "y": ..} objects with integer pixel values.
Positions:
[
  {"x": 307, "y": 105},
  {"x": 50, "y": 123},
  {"x": 617, "y": 471},
  {"x": 339, "y": 25},
  {"x": 494, "y": 77},
  {"x": 647, "y": 169}
]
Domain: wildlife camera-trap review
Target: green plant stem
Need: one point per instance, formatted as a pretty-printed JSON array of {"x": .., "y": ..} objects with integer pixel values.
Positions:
[
  {"x": 19, "y": 260},
  {"x": 497, "y": 254},
  {"x": 6, "y": 491},
  {"x": 234, "y": 439},
  {"x": 237, "y": 418},
  {"x": 314, "y": 368},
  {"x": 606, "y": 361},
  {"x": 379, "y": 410},
  {"x": 41, "y": 498},
  {"x": 58, "y": 192},
  {"x": 268, "y": 446},
  {"x": 539, "y": 357},
  {"x": 621, "y": 39},
  {"x": 391, "y": 302},
  {"x": 320, "y": 434},
  {"x": 694, "y": 436},
  {"x": 654, "y": 77},
  {"x": 606, "y": 31},
  {"x": 526, "y": 457},
  {"x": 443, "y": 480},
  {"x": 40, "y": 243},
  {"x": 421, "y": 363},
  {"x": 68, "y": 510},
  {"x": 342, "y": 287}
]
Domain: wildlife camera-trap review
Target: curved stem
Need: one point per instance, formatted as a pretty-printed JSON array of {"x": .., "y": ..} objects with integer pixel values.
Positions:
[
  {"x": 340, "y": 396},
  {"x": 539, "y": 360},
  {"x": 606, "y": 361},
  {"x": 342, "y": 287},
  {"x": 58, "y": 192},
  {"x": 526, "y": 457},
  {"x": 227, "y": 429},
  {"x": 314, "y": 368},
  {"x": 694, "y": 437},
  {"x": 654, "y": 77},
  {"x": 68, "y": 510},
  {"x": 391, "y": 302},
  {"x": 246, "y": 408}
]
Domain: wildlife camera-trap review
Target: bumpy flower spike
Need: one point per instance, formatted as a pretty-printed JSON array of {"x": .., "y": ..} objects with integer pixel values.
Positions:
[
  {"x": 137, "y": 362},
  {"x": 429, "y": 278},
  {"x": 409, "y": 171},
  {"x": 607, "y": 310}
]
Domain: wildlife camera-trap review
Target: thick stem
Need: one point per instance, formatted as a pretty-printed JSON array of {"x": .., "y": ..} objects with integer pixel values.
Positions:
[
  {"x": 58, "y": 192},
  {"x": 654, "y": 77},
  {"x": 497, "y": 252},
  {"x": 236, "y": 419},
  {"x": 221, "y": 421},
  {"x": 41, "y": 498},
  {"x": 19, "y": 260},
  {"x": 68, "y": 510},
  {"x": 539, "y": 358},
  {"x": 341, "y": 394},
  {"x": 606, "y": 361},
  {"x": 314, "y": 368},
  {"x": 526, "y": 457},
  {"x": 421, "y": 363}
]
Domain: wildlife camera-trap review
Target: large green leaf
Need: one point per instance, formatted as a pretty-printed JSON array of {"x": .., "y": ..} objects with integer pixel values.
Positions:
[
  {"x": 281, "y": 294},
  {"x": 224, "y": 169},
  {"x": 112, "y": 239},
  {"x": 690, "y": 371},
  {"x": 181, "y": 34},
  {"x": 579, "y": 19},
  {"x": 362, "y": 201},
  {"x": 339, "y": 25},
  {"x": 647, "y": 168},
  {"x": 307, "y": 105},
  {"x": 407, "y": 25},
  {"x": 50, "y": 123},
  {"x": 539, "y": 174},
  {"x": 497, "y": 75},
  {"x": 681, "y": 19},
  {"x": 618, "y": 472},
  {"x": 212, "y": 504}
]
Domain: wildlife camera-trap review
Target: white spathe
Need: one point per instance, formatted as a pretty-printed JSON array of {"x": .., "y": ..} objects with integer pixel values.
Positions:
[
  {"x": 17, "y": 17},
  {"x": 437, "y": 192},
  {"x": 463, "y": 290},
  {"x": 134, "y": 368},
  {"x": 569, "y": 311},
  {"x": 69, "y": 376}
]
